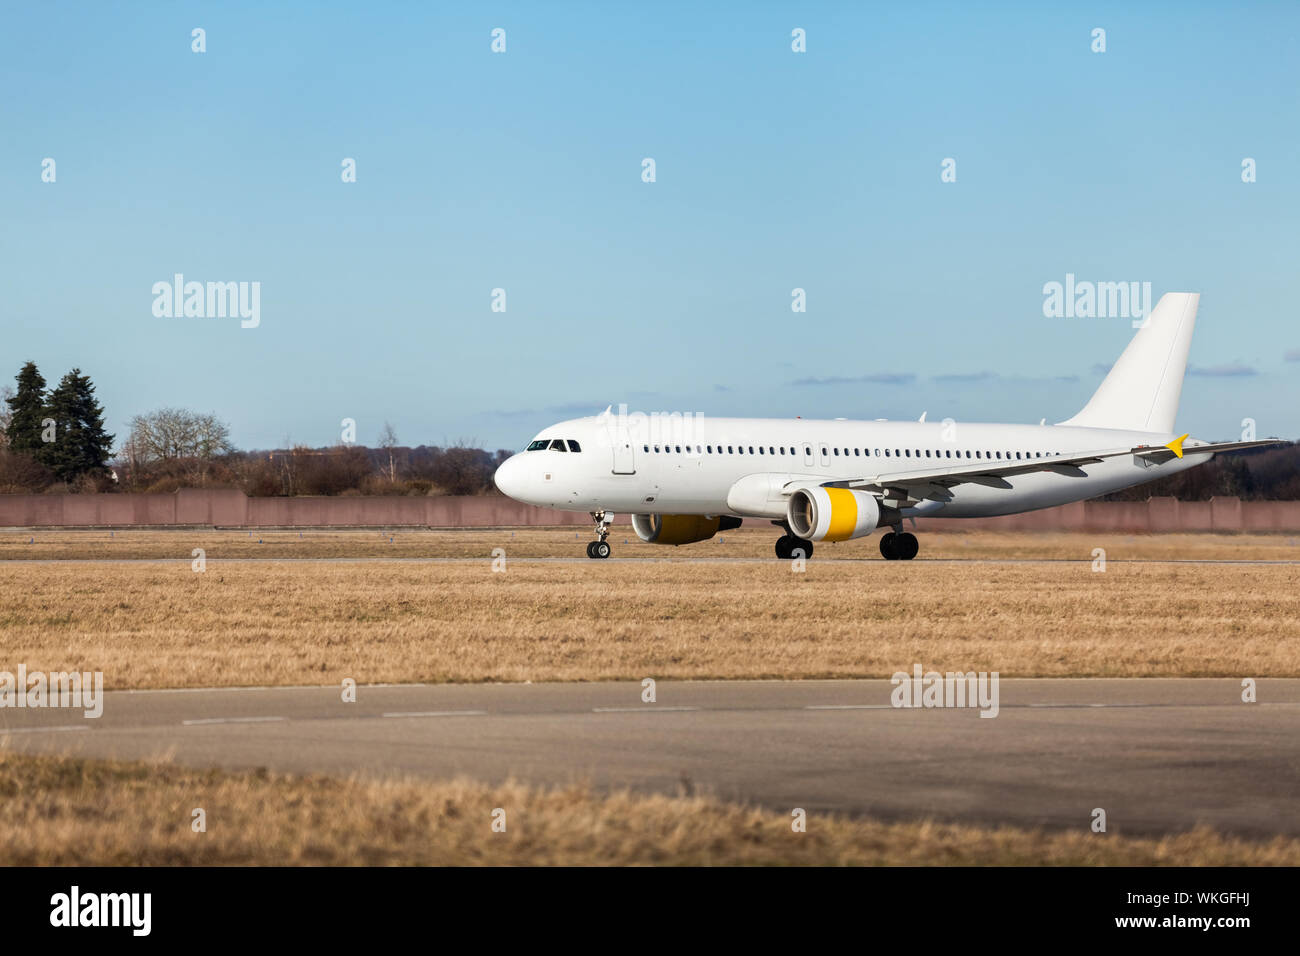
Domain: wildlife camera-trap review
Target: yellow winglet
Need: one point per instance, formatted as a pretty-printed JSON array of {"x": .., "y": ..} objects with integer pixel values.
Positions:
[{"x": 1176, "y": 446}]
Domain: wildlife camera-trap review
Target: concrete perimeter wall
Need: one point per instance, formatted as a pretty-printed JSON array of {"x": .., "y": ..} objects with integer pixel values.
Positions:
[
  {"x": 232, "y": 509},
  {"x": 1153, "y": 515}
]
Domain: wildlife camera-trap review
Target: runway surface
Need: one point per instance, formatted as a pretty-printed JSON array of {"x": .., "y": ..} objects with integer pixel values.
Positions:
[
  {"x": 1157, "y": 755},
  {"x": 213, "y": 561}
]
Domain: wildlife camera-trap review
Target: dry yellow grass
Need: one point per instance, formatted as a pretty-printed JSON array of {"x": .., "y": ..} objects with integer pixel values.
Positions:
[
  {"x": 65, "y": 811},
  {"x": 254, "y": 623},
  {"x": 570, "y": 542}
]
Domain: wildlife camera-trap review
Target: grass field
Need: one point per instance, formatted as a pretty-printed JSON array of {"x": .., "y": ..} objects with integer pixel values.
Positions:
[
  {"x": 285, "y": 622},
  {"x": 571, "y": 542},
  {"x": 65, "y": 811}
]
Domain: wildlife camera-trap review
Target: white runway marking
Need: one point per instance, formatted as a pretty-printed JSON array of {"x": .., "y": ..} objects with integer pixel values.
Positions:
[
  {"x": 1087, "y": 704},
  {"x": 43, "y": 730},
  {"x": 647, "y": 709},
  {"x": 232, "y": 720},
  {"x": 849, "y": 707}
]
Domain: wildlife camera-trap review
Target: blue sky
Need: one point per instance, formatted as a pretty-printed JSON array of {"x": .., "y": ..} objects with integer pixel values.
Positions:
[{"x": 522, "y": 171}]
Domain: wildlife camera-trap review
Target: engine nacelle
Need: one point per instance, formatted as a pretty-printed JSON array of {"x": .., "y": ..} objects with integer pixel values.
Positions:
[
  {"x": 681, "y": 529},
  {"x": 832, "y": 514}
]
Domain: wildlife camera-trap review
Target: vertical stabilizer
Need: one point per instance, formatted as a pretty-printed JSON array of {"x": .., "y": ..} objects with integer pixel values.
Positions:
[{"x": 1141, "y": 391}]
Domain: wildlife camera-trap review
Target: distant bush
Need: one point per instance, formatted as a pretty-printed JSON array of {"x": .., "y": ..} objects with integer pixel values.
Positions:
[
  {"x": 20, "y": 472},
  {"x": 165, "y": 486}
]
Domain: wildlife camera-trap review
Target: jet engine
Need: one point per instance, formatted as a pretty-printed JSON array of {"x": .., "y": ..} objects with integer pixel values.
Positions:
[
  {"x": 681, "y": 529},
  {"x": 832, "y": 514}
]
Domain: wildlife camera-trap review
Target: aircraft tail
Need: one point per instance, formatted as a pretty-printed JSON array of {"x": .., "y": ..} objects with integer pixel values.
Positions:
[{"x": 1141, "y": 391}]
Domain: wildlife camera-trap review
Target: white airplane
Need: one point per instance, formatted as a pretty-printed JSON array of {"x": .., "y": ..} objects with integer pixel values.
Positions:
[{"x": 684, "y": 479}]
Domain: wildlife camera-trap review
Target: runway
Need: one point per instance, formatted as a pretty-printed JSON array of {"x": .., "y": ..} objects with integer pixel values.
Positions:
[
  {"x": 1158, "y": 755},
  {"x": 819, "y": 559}
]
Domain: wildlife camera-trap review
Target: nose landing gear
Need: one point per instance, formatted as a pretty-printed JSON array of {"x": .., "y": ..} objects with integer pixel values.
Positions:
[{"x": 600, "y": 547}]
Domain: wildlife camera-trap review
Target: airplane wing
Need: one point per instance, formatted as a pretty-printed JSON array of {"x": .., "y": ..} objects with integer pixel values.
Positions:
[
  {"x": 935, "y": 484},
  {"x": 1161, "y": 453}
]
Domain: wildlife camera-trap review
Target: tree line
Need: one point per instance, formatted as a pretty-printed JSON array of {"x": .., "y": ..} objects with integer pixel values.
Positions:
[
  {"x": 55, "y": 442},
  {"x": 1266, "y": 474},
  {"x": 55, "y": 435}
]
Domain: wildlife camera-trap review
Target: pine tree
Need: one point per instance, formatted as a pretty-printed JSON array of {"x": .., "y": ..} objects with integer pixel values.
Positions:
[
  {"x": 28, "y": 407},
  {"x": 81, "y": 446}
]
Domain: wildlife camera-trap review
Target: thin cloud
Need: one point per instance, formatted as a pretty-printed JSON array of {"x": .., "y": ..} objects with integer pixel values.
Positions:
[
  {"x": 960, "y": 377},
  {"x": 571, "y": 409},
  {"x": 1293, "y": 355},
  {"x": 1231, "y": 370},
  {"x": 878, "y": 378},
  {"x": 577, "y": 408},
  {"x": 1039, "y": 380}
]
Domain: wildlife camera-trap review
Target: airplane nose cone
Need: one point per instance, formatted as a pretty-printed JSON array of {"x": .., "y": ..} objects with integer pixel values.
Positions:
[{"x": 509, "y": 477}]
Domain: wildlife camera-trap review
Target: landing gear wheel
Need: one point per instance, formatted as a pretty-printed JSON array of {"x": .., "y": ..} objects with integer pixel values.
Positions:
[
  {"x": 906, "y": 546},
  {"x": 598, "y": 548},
  {"x": 788, "y": 544},
  {"x": 887, "y": 546}
]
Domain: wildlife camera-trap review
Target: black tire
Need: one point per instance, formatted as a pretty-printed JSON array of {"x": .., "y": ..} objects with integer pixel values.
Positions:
[
  {"x": 601, "y": 550},
  {"x": 785, "y": 547},
  {"x": 591, "y": 549},
  {"x": 906, "y": 546},
  {"x": 804, "y": 545},
  {"x": 887, "y": 549}
]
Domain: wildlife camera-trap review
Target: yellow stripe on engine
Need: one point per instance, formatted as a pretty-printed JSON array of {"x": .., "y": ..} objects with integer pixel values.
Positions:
[{"x": 844, "y": 514}]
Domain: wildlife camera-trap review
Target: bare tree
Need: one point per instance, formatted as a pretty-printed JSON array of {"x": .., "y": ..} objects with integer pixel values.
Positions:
[
  {"x": 288, "y": 462},
  {"x": 176, "y": 436},
  {"x": 6, "y": 413},
  {"x": 388, "y": 441},
  {"x": 169, "y": 434}
]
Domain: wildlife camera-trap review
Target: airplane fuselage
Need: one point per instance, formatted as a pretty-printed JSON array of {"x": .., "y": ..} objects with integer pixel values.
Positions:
[
  {"x": 703, "y": 467},
  {"x": 684, "y": 479}
]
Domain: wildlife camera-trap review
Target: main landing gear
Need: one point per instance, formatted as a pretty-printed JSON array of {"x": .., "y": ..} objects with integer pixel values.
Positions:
[
  {"x": 787, "y": 544},
  {"x": 898, "y": 546},
  {"x": 600, "y": 547}
]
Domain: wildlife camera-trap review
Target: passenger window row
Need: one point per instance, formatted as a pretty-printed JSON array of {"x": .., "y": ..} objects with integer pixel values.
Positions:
[{"x": 983, "y": 455}]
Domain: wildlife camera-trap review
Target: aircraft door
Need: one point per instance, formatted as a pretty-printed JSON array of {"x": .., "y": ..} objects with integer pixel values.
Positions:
[{"x": 624, "y": 456}]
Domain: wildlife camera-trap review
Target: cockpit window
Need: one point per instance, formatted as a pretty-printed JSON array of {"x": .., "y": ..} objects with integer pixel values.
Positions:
[
  {"x": 558, "y": 445},
  {"x": 538, "y": 445},
  {"x": 574, "y": 446}
]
